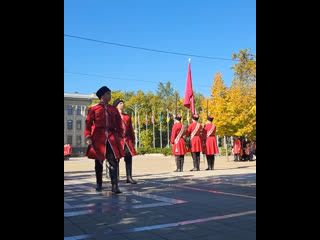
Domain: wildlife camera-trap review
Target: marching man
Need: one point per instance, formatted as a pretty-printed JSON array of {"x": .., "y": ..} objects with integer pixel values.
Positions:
[
  {"x": 127, "y": 139},
  {"x": 103, "y": 133}
]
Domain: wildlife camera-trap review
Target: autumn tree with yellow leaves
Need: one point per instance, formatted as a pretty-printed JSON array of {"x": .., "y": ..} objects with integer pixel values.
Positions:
[{"x": 234, "y": 108}]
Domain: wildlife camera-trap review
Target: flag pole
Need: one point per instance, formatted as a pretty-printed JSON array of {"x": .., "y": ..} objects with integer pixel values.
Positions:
[
  {"x": 176, "y": 105},
  {"x": 207, "y": 107},
  {"x": 139, "y": 129},
  {"x": 160, "y": 132},
  {"x": 168, "y": 129},
  {"x": 154, "y": 143},
  {"x": 190, "y": 108}
]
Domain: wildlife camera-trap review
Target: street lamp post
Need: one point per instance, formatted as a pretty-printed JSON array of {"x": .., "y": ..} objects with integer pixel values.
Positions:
[{"x": 135, "y": 108}]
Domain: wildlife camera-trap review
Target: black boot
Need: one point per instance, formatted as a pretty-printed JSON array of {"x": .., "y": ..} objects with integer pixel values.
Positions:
[
  {"x": 98, "y": 170},
  {"x": 181, "y": 163},
  {"x": 115, "y": 187},
  {"x": 209, "y": 165},
  {"x": 113, "y": 169},
  {"x": 177, "y": 164},
  {"x": 99, "y": 187},
  {"x": 198, "y": 163},
  {"x": 212, "y": 162},
  {"x": 129, "y": 172},
  {"x": 194, "y": 165},
  {"x": 130, "y": 180}
]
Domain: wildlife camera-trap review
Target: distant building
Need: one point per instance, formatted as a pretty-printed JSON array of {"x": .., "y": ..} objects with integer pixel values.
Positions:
[{"x": 75, "y": 112}]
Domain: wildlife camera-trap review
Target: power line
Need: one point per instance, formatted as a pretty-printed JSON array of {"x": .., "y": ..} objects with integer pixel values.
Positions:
[
  {"x": 128, "y": 79},
  {"x": 147, "y": 49},
  {"x": 94, "y": 75}
]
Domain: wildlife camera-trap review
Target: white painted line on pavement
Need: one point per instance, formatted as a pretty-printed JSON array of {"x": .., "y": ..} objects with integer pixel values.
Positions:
[{"x": 152, "y": 227}]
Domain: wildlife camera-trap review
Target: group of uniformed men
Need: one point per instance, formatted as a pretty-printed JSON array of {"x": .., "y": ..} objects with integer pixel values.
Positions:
[
  {"x": 110, "y": 136},
  {"x": 200, "y": 140}
]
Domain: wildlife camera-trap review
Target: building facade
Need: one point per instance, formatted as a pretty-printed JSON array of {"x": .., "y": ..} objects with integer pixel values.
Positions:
[{"x": 75, "y": 112}]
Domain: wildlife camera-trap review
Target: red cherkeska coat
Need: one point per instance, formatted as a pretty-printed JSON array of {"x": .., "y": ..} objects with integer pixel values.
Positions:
[
  {"x": 180, "y": 147},
  {"x": 100, "y": 132},
  {"x": 128, "y": 137},
  {"x": 196, "y": 145},
  {"x": 210, "y": 146},
  {"x": 236, "y": 146}
]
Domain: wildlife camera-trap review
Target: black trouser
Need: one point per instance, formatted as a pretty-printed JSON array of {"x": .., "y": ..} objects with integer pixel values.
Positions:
[
  {"x": 113, "y": 169},
  {"x": 210, "y": 160},
  {"x": 179, "y": 162},
  {"x": 196, "y": 160},
  {"x": 236, "y": 156}
]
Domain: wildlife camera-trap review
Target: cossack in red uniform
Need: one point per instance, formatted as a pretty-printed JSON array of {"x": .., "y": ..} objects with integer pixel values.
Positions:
[
  {"x": 179, "y": 148},
  {"x": 196, "y": 145},
  {"x": 128, "y": 134},
  {"x": 103, "y": 124},
  {"x": 210, "y": 146},
  {"x": 193, "y": 131}
]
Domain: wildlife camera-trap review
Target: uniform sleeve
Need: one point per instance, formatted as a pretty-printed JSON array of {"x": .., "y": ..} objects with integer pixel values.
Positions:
[
  {"x": 118, "y": 123},
  {"x": 173, "y": 134},
  {"x": 130, "y": 130},
  {"x": 89, "y": 123}
]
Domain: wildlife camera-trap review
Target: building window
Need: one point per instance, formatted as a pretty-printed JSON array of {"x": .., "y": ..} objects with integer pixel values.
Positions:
[
  {"x": 69, "y": 140},
  {"x": 78, "y": 124},
  {"x": 78, "y": 140},
  {"x": 70, "y": 110},
  {"x": 69, "y": 124},
  {"x": 79, "y": 111}
]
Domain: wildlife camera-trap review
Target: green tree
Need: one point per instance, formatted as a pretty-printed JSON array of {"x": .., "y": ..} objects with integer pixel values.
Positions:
[
  {"x": 164, "y": 91},
  {"x": 115, "y": 95},
  {"x": 146, "y": 138},
  {"x": 245, "y": 68},
  {"x": 198, "y": 98}
]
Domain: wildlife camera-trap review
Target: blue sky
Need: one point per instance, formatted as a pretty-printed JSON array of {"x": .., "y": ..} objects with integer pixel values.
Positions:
[{"x": 204, "y": 27}]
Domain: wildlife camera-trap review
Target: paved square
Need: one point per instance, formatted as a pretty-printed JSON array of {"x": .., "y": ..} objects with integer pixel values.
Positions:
[{"x": 218, "y": 204}]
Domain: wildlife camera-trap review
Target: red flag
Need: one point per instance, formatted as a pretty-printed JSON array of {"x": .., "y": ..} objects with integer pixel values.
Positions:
[
  {"x": 188, "y": 96},
  {"x": 146, "y": 121}
]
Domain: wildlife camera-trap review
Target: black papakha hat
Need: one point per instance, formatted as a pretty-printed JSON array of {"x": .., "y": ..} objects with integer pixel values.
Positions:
[
  {"x": 178, "y": 117},
  {"x": 209, "y": 118},
  {"x": 117, "y": 101},
  {"x": 102, "y": 91},
  {"x": 195, "y": 117}
]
